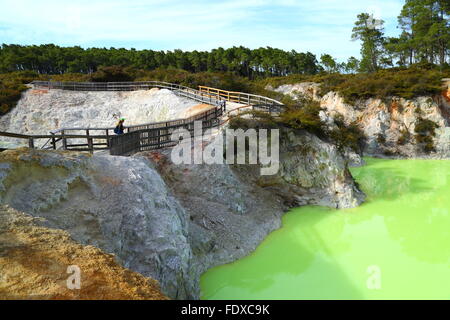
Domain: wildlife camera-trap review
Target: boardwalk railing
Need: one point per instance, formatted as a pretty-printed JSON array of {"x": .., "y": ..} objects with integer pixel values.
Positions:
[
  {"x": 147, "y": 136},
  {"x": 128, "y": 86},
  {"x": 153, "y": 135},
  {"x": 159, "y": 135},
  {"x": 50, "y": 137},
  {"x": 204, "y": 94},
  {"x": 142, "y": 137},
  {"x": 239, "y": 97}
]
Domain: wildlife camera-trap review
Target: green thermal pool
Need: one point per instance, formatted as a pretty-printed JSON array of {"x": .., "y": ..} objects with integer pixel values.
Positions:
[{"x": 395, "y": 246}]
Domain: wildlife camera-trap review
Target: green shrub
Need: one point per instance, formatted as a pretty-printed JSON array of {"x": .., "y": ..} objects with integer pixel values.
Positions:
[
  {"x": 11, "y": 87},
  {"x": 417, "y": 80},
  {"x": 257, "y": 120},
  {"x": 381, "y": 139},
  {"x": 303, "y": 114},
  {"x": 69, "y": 77},
  {"x": 113, "y": 74},
  {"x": 404, "y": 137},
  {"x": 425, "y": 131},
  {"x": 220, "y": 80},
  {"x": 407, "y": 83},
  {"x": 347, "y": 136}
]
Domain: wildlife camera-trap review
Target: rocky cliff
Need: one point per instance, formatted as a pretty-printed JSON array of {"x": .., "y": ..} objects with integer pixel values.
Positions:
[
  {"x": 389, "y": 123},
  {"x": 172, "y": 222},
  {"x": 118, "y": 204},
  {"x": 232, "y": 208}
]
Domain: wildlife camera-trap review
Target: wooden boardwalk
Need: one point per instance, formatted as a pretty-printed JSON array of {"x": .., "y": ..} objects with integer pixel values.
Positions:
[{"x": 143, "y": 137}]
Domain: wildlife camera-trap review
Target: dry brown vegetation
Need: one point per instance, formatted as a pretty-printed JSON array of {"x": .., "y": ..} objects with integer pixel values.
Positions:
[{"x": 34, "y": 262}]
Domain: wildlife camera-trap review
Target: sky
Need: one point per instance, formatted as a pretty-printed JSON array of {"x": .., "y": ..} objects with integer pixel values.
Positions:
[{"x": 318, "y": 26}]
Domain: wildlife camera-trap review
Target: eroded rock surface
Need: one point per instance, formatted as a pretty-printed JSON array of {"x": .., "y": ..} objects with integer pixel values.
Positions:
[
  {"x": 34, "y": 264},
  {"x": 232, "y": 208},
  {"x": 118, "y": 204},
  {"x": 386, "y": 121},
  {"x": 173, "y": 222},
  {"x": 316, "y": 172}
]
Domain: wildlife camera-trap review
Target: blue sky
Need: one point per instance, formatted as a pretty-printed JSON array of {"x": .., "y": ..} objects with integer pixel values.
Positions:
[{"x": 319, "y": 26}]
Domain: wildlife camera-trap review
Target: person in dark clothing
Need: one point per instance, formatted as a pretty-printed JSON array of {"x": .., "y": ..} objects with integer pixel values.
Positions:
[{"x": 119, "y": 127}]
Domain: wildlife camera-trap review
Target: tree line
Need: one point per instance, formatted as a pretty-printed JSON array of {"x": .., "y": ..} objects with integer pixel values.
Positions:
[
  {"x": 424, "y": 38},
  {"x": 53, "y": 59}
]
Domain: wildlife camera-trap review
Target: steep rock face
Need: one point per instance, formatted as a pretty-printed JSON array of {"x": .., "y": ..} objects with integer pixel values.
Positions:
[
  {"x": 40, "y": 111},
  {"x": 118, "y": 204},
  {"x": 385, "y": 121},
  {"x": 228, "y": 214},
  {"x": 232, "y": 208},
  {"x": 210, "y": 215},
  {"x": 34, "y": 263},
  {"x": 317, "y": 172}
]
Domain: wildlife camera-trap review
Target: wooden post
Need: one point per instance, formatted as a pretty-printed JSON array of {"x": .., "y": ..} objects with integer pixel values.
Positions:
[
  {"x": 64, "y": 140},
  {"x": 90, "y": 145},
  {"x": 159, "y": 139},
  {"x": 107, "y": 139},
  {"x": 53, "y": 141},
  {"x": 89, "y": 142},
  {"x": 31, "y": 143}
]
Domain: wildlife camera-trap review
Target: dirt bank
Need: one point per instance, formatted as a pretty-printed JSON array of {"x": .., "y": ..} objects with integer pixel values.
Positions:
[{"x": 34, "y": 262}]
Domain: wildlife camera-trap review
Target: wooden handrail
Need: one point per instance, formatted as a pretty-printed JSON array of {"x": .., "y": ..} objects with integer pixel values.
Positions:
[
  {"x": 139, "y": 136},
  {"x": 14, "y": 135},
  {"x": 48, "y": 136},
  {"x": 238, "y": 95},
  {"x": 129, "y": 86}
]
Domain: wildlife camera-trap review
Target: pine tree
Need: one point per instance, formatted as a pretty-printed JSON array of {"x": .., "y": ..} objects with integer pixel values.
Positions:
[
  {"x": 329, "y": 63},
  {"x": 370, "y": 32},
  {"x": 426, "y": 30}
]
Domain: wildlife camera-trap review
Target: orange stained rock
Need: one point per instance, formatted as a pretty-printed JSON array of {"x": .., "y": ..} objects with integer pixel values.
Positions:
[{"x": 197, "y": 109}]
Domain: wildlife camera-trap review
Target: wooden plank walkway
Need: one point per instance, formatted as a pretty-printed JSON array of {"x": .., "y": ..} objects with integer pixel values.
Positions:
[{"x": 147, "y": 136}]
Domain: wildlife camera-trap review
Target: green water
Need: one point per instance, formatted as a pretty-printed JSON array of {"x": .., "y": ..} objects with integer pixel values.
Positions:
[{"x": 395, "y": 246}]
